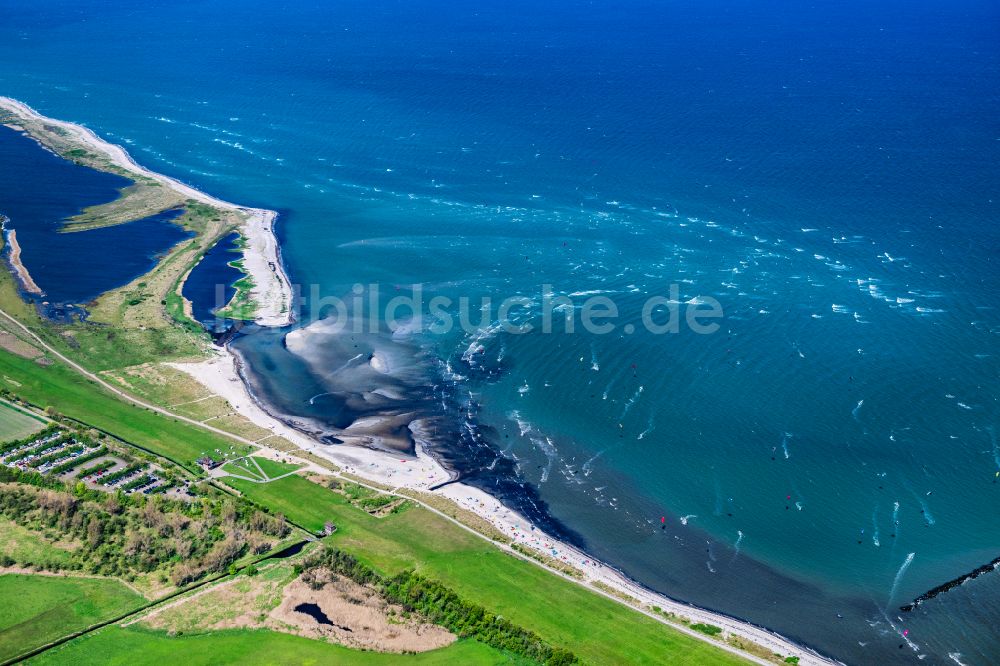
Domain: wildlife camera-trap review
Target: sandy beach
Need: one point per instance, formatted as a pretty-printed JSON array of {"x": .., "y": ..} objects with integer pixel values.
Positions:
[
  {"x": 14, "y": 257},
  {"x": 272, "y": 292},
  {"x": 220, "y": 375}
]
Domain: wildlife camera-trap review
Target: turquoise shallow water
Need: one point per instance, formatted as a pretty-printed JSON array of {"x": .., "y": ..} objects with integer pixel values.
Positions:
[{"x": 828, "y": 175}]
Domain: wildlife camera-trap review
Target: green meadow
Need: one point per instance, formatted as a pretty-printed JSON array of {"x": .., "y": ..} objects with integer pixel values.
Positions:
[
  {"x": 133, "y": 646},
  {"x": 39, "y": 609},
  {"x": 274, "y": 468},
  {"x": 16, "y": 424},
  {"x": 23, "y": 545}
]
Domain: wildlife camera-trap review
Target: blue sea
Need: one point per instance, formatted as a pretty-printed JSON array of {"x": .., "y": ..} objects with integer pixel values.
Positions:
[{"x": 828, "y": 173}]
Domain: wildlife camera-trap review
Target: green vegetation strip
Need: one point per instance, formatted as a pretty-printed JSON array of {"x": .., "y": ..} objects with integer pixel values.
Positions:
[
  {"x": 241, "y": 306},
  {"x": 94, "y": 469},
  {"x": 122, "y": 473},
  {"x": 141, "y": 481},
  {"x": 709, "y": 629},
  {"x": 135, "y": 646},
  {"x": 78, "y": 461},
  {"x": 58, "y": 455}
]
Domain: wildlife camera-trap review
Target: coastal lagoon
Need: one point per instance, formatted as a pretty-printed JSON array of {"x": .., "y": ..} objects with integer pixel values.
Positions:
[
  {"x": 828, "y": 175},
  {"x": 209, "y": 287},
  {"x": 39, "y": 191}
]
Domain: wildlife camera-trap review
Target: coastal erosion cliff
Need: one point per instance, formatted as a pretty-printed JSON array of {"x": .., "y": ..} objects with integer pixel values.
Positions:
[{"x": 271, "y": 293}]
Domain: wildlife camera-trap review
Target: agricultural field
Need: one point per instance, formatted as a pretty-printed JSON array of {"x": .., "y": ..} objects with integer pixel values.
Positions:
[
  {"x": 15, "y": 423},
  {"x": 38, "y": 609}
]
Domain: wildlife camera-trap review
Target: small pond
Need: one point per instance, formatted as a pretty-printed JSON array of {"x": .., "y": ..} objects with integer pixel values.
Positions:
[{"x": 313, "y": 611}]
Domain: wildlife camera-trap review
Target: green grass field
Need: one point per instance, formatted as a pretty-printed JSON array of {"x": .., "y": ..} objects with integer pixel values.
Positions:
[
  {"x": 39, "y": 609},
  {"x": 15, "y": 424},
  {"x": 135, "y": 646},
  {"x": 25, "y": 546},
  {"x": 271, "y": 469},
  {"x": 563, "y": 613},
  {"x": 274, "y": 468},
  {"x": 242, "y": 468},
  {"x": 72, "y": 394}
]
